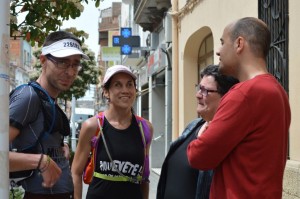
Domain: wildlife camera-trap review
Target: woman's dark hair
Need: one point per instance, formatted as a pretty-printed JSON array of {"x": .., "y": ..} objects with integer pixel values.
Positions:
[{"x": 224, "y": 82}]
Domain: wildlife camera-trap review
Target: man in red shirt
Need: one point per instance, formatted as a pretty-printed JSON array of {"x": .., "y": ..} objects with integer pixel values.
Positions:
[{"x": 246, "y": 142}]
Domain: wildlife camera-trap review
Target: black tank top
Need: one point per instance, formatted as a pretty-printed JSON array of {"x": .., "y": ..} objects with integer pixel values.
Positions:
[{"x": 127, "y": 151}]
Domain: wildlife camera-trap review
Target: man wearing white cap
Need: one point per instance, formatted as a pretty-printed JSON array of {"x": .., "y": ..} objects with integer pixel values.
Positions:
[{"x": 38, "y": 124}]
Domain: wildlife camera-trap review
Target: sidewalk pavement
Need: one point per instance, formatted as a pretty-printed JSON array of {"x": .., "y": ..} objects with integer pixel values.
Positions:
[{"x": 154, "y": 176}]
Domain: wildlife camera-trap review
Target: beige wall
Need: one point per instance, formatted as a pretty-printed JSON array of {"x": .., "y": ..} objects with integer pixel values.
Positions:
[
  {"x": 294, "y": 80},
  {"x": 204, "y": 17},
  {"x": 189, "y": 74},
  {"x": 292, "y": 171}
]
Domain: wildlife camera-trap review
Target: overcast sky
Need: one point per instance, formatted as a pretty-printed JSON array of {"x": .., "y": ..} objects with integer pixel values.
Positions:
[{"x": 88, "y": 22}]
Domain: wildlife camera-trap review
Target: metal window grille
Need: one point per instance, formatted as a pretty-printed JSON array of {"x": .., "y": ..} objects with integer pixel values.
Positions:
[{"x": 275, "y": 14}]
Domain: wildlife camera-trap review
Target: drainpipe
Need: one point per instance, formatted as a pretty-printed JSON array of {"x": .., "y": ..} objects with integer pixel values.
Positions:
[
  {"x": 4, "y": 96},
  {"x": 73, "y": 138},
  {"x": 168, "y": 102},
  {"x": 175, "y": 55}
]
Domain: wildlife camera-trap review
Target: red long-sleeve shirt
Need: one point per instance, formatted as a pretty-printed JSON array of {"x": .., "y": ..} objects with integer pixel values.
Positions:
[{"x": 246, "y": 143}]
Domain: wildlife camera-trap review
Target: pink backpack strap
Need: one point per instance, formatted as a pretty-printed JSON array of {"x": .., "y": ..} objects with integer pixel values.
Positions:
[
  {"x": 145, "y": 133},
  {"x": 94, "y": 139},
  {"x": 100, "y": 116},
  {"x": 145, "y": 129}
]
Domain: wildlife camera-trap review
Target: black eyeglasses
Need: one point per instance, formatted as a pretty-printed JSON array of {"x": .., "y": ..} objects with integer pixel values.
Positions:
[
  {"x": 64, "y": 65},
  {"x": 203, "y": 91}
]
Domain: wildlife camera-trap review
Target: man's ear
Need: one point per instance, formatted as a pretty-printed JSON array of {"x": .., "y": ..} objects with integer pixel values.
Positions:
[
  {"x": 239, "y": 44},
  {"x": 43, "y": 59}
]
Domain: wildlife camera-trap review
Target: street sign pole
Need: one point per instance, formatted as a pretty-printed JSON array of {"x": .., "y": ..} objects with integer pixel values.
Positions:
[
  {"x": 73, "y": 138},
  {"x": 4, "y": 96}
]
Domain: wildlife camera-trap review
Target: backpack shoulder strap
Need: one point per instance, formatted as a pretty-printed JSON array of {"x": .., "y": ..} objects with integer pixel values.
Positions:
[
  {"x": 145, "y": 133},
  {"x": 18, "y": 87},
  {"x": 100, "y": 120},
  {"x": 99, "y": 116},
  {"x": 144, "y": 129},
  {"x": 43, "y": 95}
]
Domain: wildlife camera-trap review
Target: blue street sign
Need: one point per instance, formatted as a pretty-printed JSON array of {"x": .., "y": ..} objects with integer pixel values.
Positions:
[
  {"x": 116, "y": 40},
  {"x": 126, "y": 32},
  {"x": 126, "y": 50},
  {"x": 126, "y": 41}
]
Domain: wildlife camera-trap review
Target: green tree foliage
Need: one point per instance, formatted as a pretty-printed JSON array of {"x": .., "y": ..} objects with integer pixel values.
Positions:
[
  {"x": 89, "y": 74},
  {"x": 42, "y": 17}
]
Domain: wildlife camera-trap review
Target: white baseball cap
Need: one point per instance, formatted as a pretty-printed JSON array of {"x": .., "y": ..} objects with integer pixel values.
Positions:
[
  {"x": 64, "y": 48},
  {"x": 111, "y": 71}
]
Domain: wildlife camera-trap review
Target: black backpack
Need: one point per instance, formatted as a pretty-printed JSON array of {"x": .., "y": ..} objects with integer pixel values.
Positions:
[{"x": 49, "y": 123}]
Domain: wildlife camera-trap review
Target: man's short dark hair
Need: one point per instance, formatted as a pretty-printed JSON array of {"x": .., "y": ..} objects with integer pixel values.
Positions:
[
  {"x": 59, "y": 35},
  {"x": 256, "y": 32},
  {"x": 224, "y": 82}
]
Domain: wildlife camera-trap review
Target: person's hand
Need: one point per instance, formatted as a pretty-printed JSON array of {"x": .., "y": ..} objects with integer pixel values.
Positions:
[
  {"x": 49, "y": 171},
  {"x": 203, "y": 128},
  {"x": 66, "y": 151}
]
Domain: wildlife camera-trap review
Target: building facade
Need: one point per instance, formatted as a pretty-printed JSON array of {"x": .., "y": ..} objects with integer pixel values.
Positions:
[
  {"x": 155, "y": 75},
  {"x": 109, "y": 23},
  {"x": 20, "y": 62}
]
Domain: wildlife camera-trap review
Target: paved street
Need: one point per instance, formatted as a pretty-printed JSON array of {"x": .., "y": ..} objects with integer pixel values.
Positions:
[{"x": 153, "y": 184}]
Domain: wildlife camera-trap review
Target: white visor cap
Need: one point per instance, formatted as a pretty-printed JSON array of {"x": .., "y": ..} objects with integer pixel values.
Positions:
[{"x": 64, "y": 48}]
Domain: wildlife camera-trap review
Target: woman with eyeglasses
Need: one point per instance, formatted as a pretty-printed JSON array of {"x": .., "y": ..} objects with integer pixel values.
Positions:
[{"x": 178, "y": 180}]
